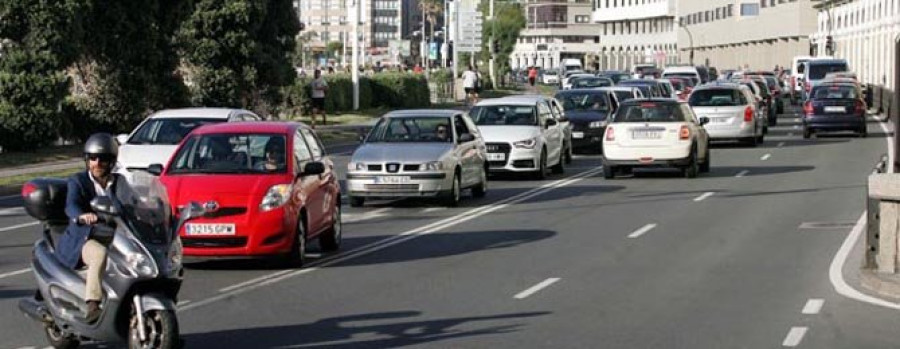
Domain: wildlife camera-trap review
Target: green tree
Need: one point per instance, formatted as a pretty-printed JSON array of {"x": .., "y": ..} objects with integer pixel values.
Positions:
[
  {"x": 238, "y": 52},
  {"x": 508, "y": 22},
  {"x": 334, "y": 48}
]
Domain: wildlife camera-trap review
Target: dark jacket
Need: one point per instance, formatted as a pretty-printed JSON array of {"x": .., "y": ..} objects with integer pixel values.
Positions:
[{"x": 78, "y": 201}]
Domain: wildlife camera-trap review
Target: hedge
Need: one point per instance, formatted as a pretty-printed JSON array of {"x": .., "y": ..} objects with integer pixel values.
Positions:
[{"x": 392, "y": 90}]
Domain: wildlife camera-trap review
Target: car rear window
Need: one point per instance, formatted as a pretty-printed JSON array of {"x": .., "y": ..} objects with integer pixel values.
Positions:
[
  {"x": 834, "y": 92},
  {"x": 167, "y": 131},
  {"x": 650, "y": 112},
  {"x": 589, "y": 101},
  {"x": 624, "y": 95},
  {"x": 818, "y": 71},
  {"x": 592, "y": 82},
  {"x": 717, "y": 98},
  {"x": 493, "y": 115}
]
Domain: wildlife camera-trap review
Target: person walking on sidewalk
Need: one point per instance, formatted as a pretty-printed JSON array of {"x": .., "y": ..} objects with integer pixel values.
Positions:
[
  {"x": 319, "y": 87},
  {"x": 470, "y": 82},
  {"x": 532, "y": 75}
]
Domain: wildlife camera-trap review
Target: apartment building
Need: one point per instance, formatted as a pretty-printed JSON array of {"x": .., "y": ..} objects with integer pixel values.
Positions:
[
  {"x": 758, "y": 34},
  {"x": 636, "y": 31},
  {"x": 329, "y": 21},
  {"x": 555, "y": 30}
]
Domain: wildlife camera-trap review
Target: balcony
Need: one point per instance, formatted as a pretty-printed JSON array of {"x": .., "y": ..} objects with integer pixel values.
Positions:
[{"x": 651, "y": 10}]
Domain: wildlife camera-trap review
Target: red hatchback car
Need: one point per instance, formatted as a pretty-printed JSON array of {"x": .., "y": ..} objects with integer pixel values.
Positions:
[{"x": 267, "y": 187}]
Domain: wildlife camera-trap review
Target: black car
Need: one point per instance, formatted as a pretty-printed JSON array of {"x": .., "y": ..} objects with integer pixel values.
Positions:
[
  {"x": 588, "y": 111},
  {"x": 614, "y": 75},
  {"x": 591, "y": 82},
  {"x": 834, "y": 107}
]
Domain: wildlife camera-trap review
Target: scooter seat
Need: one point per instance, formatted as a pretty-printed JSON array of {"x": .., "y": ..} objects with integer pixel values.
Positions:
[{"x": 56, "y": 231}]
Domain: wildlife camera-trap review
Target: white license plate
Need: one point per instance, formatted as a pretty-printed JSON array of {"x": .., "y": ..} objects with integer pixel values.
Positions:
[
  {"x": 496, "y": 157},
  {"x": 209, "y": 229},
  {"x": 578, "y": 135},
  {"x": 392, "y": 179},
  {"x": 644, "y": 134},
  {"x": 720, "y": 120},
  {"x": 835, "y": 109}
]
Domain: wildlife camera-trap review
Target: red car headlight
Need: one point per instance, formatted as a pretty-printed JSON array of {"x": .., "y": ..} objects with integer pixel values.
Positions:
[{"x": 275, "y": 197}]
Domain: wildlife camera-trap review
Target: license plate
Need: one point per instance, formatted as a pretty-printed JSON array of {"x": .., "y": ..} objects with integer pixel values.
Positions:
[
  {"x": 720, "y": 120},
  {"x": 835, "y": 109},
  {"x": 208, "y": 229},
  {"x": 496, "y": 157},
  {"x": 645, "y": 134},
  {"x": 577, "y": 134},
  {"x": 392, "y": 179}
]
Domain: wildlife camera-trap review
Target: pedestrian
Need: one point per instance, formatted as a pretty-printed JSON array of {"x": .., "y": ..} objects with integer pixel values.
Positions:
[
  {"x": 418, "y": 69},
  {"x": 532, "y": 75},
  {"x": 319, "y": 87},
  {"x": 470, "y": 81}
]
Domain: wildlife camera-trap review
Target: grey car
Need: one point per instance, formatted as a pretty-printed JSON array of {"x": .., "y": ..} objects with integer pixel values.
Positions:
[{"x": 419, "y": 153}]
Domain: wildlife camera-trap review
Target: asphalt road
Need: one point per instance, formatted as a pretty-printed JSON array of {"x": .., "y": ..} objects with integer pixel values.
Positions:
[{"x": 737, "y": 258}]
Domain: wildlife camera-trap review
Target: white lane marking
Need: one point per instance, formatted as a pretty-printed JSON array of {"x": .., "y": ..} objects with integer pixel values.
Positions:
[
  {"x": 741, "y": 174},
  {"x": 780, "y": 144},
  {"x": 836, "y": 275},
  {"x": 704, "y": 196},
  {"x": 26, "y": 347},
  {"x": 433, "y": 209},
  {"x": 184, "y": 302},
  {"x": 14, "y": 273},
  {"x": 797, "y": 119},
  {"x": 8, "y": 197},
  {"x": 790, "y": 133},
  {"x": 12, "y": 211},
  {"x": 359, "y": 217},
  {"x": 388, "y": 242},
  {"x": 794, "y": 337},
  {"x": 765, "y": 157},
  {"x": 23, "y": 225},
  {"x": 534, "y": 289},
  {"x": 642, "y": 231},
  {"x": 796, "y": 127},
  {"x": 813, "y": 306},
  {"x": 253, "y": 281}
]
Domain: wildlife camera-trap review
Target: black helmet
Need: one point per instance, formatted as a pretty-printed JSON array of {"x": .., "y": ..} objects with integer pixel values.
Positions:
[{"x": 101, "y": 144}]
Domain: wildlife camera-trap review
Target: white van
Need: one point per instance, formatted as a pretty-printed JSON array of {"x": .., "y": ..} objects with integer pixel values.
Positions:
[
  {"x": 798, "y": 70},
  {"x": 683, "y": 72},
  {"x": 570, "y": 64}
]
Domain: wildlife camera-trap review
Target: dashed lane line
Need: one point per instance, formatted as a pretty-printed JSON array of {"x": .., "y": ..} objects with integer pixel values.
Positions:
[
  {"x": 23, "y": 225},
  {"x": 704, "y": 196},
  {"x": 14, "y": 273},
  {"x": 741, "y": 174},
  {"x": 794, "y": 337},
  {"x": 813, "y": 306},
  {"x": 765, "y": 157},
  {"x": 534, "y": 289},
  {"x": 642, "y": 231}
]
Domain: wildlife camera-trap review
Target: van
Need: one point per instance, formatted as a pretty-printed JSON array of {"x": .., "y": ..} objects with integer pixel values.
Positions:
[
  {"x": 683, "y": 72},
  {"x": 637, "y": 71},
  {"x": 570, "y": 64},
  {"x": 816, "y": 69},
  {"x": 797, "y": 73}
]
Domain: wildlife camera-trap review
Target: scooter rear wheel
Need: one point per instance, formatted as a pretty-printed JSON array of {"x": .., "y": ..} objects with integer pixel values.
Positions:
[
  {"x": 161, "y": 327},
  {"x": 59, "y": 339}
]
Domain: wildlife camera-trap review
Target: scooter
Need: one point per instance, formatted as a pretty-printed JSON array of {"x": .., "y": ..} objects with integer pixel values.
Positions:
[{"x": 143, "y": 272}]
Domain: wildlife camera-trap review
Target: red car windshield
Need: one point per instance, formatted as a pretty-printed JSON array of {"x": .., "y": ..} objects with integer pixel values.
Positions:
[{"x": 231, "y": 153}]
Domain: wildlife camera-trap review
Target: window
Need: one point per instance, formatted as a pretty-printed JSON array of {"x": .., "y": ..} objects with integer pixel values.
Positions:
[
  {"x": 749, "y": 9},
  {"x": 314, "y": 145},
  {"x": 582, "y": 19},
  {"x": 301, "y": 151}
]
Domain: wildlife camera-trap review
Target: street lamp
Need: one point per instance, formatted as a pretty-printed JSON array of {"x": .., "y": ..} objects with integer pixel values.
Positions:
[{"x": 690, "y": 38}]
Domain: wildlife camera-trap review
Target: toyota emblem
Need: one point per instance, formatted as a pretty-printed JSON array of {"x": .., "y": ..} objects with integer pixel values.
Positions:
[{"x": 211, "y": 206}]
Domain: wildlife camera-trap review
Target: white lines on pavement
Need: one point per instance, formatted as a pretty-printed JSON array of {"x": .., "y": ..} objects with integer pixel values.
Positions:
[
  {"x": 642, "y": 231},
  {"x": 741, "y": 174},
  {"x": 765, "y": 157},
  {"x": 14, "y": 273},
  {"x": 813, "y": 306},
  {"x": 780, "y": 144},
  {"x": 790, "y": 134},
  {"x": 8, "y": 197},
  {"x": 797, "y": 119},
  {"x": 12, "y": 211},
  {"x": 23, "y": 225},
  {"x": 391, "y": 241},
  {"x": 836, "y": 275},
  {"x": 704, "y": 196},
  {"x": 433, "y": 209},
  {"x": 796, "y": 127},
  {"x": 794, "y": 336},
  {"x": 534, "y": 289},
  {"x": 359, "y": 217}
]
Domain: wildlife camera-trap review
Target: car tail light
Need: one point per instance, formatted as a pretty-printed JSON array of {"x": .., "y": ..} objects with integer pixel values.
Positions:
[
  {"x": 684, "y": 133},
  {"x": 748, "y": 114},
  {"x": 28, "y": 188},
  {"x": 610, "y": 134},
  {"x": 861, "y": 108},
  {"x": 808, "y": 108}
]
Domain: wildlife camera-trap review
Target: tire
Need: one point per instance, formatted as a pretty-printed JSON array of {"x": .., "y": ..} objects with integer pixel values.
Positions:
[
  {"x": 356, "y": 201},
  {"x": 863, "y": 133},
  {"x": 749, "y": 141},
  {"x": 541, "y": 173},
  {"x": 609, "y": 171},
  {"x": 704, "y": 167},
  {"x": 761, "y": 138},
  {"x": 58, "y": 339},
  {"x": 569, "y": 154},
  {"x": 807, "y": 133},
  {"x": 559, "y": 168},
  {"x": 330, "y": 240},
  {"x": 451, "y": 198},
  {"x": 161, "y": 328},
  {"x": 296, "y": 257},
  {"x": 691, "y": 170},
  {"x": 480, "y": 190}
]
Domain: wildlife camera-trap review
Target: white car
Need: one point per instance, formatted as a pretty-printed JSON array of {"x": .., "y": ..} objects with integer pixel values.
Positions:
[
  {"x": 521, "y": 135},
  {"x": 655, "y": 133},
  {"x": 683, "y": 72},
  {"x": 550, "y": 77},
  {"x": 157, "y": 137},
  {"x": 731, "y": 110},
  {"x": 624, "y": 93},
  {"x": 567, "y": 81}
]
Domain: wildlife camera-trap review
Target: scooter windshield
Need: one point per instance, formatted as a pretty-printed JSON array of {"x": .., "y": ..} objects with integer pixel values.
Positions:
[{"x": 145, "y": 206}]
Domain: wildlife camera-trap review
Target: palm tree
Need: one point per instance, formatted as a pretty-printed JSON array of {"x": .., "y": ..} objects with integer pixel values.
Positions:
[{"x": 431, "y": 9}]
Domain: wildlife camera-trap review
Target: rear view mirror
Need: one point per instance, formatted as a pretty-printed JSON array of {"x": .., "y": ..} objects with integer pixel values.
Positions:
[
  {"x": 552, "y": 122},
  {"x": 155, "y": 169},
  {"x": 104, "y": 205},
  {"x": 466, "y": 137},
  {"x": 704, "y": 120},
  {"x": 122, "y": 138},
  {"x": 313, "y": 168}
]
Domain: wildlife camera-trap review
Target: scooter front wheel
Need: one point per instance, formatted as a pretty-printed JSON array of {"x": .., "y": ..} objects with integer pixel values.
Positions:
[
  {"x": 59, "y": 339},
  {"x": 160, "y": 329}
]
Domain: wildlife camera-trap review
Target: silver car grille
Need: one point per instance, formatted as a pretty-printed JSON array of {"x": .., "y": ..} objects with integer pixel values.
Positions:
[{"x": 392, "y": 187}]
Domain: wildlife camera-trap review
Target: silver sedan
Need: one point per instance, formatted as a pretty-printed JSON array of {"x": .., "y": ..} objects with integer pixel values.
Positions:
[{"x": 419, "y": 153}]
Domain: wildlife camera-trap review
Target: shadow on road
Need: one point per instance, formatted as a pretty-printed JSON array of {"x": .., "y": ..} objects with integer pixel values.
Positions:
[
  {"x": 14, "y": 293},
  {"x": 752, "y": 171},
  {"x": 377, "y": 330}
]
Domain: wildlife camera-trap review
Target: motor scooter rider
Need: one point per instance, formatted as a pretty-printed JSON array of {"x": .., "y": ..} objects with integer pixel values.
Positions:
[{"x": 77, "y": 246}]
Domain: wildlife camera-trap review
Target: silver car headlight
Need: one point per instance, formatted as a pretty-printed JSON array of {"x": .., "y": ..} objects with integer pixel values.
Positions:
[
  {"x": 526, "y": 144},
  {"x": 597, "y": 124},
  {"x": 434, "y": 166},
  {"x": 356, "y": 166}
]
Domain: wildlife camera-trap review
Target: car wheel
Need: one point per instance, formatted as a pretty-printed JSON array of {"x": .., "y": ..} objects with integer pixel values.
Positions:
[
  {"x": 451, "y": 199},
  {"x": 356, "y": 201},
  {"x": 569, "y": 154},
  {"x": 749, "y": 141},
  {"x": 480, "y": 190},
  {"x": 541, "y": 172},
  {"x": 296, "y": 257},
  {"x": 807, "y": 133},
  {"x": 761, "y": 138},
  {"x": 704, "y": 167},
  {"x": 609, "y": 171},
  {"x": 691, "y": 170},
  {"x": 559, "y": 167},
  {"x": 863, "y": 133},
  {"x": 331, "y": 239}
]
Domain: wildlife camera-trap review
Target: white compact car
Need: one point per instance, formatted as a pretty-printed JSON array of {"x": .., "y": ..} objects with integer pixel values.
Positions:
[
  {"x": 157, "y": 137},
  {"x": 521, "y": 135},
  {"x": 731, "y": 110},
  {"x": 655, "y": 133},
  {"x": 550, "y": 77}
]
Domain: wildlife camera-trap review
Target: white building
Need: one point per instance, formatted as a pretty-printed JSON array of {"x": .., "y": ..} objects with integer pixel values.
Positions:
[
  {"x": 555, "y": 30},
  {"x": 636, "y": 31},
  {"x": 866, "y": 33}
]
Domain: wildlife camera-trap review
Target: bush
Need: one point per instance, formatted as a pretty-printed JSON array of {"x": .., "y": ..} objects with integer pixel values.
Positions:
[
  {"x": 392, "y": 90},
  {"x": 400, "y": 90},
  {"x": 30, "y": 95}
]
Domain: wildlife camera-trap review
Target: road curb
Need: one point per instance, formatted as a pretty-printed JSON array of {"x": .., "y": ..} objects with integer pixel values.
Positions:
[{"x": 882, "y": 284}]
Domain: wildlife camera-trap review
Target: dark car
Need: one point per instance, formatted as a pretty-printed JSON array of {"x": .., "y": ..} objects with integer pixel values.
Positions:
[
  {"x": 588, "y": 111},
  {"x": 614, "y": 75},
  {"x": 591, "y": 82},
  {"x": 650, "y": 88},
  {"x": 834, "y": 107}
]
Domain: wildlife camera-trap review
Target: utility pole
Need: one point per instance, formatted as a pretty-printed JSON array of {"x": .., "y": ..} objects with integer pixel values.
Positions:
[
  {"x": 491, "y": 46},
  {"x": 454, "y": 18},
  {"x": 354, "y": 71}
]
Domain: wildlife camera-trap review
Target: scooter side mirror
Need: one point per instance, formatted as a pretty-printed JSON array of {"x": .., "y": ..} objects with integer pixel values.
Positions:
[{"x": 104, "y": 205}]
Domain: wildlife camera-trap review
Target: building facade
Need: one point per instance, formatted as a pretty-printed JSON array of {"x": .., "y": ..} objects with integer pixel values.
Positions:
[
  {"x": 555, "y": 30},
  {"x": 866, "y": 33},
  {"x": 757, "y": 34},
  {"x": 381, "y": 21},
  {"x": 635, "y": 31}
]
